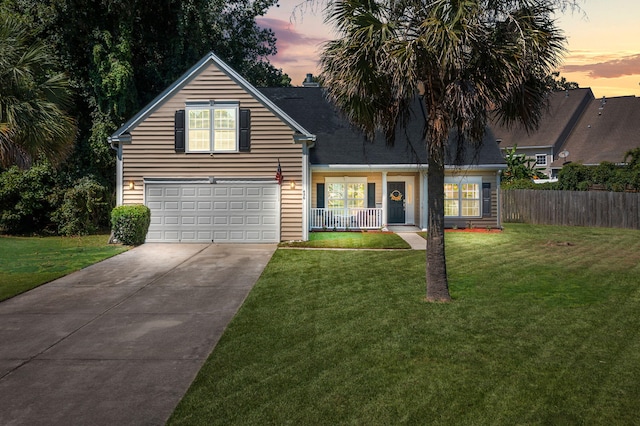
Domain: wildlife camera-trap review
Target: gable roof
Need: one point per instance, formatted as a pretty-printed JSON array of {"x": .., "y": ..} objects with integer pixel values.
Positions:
[
  {"x": 608, "y": 128},
  {"x": 122, "y": 134},
  {"x": 564, "y": 111},
  {"x": 340, "y": 143}
]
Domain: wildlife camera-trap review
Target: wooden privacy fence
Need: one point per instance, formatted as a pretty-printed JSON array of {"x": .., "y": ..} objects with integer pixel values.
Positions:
[{"x": 573, "y": 208}]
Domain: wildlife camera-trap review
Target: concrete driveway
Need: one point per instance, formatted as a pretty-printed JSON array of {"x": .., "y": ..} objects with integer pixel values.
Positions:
[{"x": 121, "y": 341}]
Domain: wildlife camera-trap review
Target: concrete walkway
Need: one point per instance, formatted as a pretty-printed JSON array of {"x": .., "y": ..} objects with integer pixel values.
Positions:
[
  {"x": 409, "y": 234},
  {"x": 121, "y": 341}
]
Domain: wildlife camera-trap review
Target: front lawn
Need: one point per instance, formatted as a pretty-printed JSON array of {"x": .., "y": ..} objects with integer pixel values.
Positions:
[
  {"x": 29, "y": 262},
  {"x": 360, "y": 240},
  {"x": 544, "y": 329}
]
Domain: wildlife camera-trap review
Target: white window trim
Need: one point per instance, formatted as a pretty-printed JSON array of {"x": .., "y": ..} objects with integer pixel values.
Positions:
[
  {"x": 345, "y": 180},
  {"x": 545, "y": 159},
  {"x": 212, "y": 106},
  {"x": 460, "y": 182}
]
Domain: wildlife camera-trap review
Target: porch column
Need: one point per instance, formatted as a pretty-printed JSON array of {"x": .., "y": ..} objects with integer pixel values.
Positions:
[{"x": 384, "y": 198}]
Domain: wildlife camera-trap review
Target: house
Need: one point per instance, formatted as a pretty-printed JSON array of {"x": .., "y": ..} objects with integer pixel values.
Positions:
[
  {"x": 607, "y": 129},
  {"x": 543, "y": 145},
  {"x": 218, "y": 160}
]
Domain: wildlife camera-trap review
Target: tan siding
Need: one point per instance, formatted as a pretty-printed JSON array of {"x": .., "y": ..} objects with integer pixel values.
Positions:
[
  {"x": 151, "y": 152},
  {"x": 487, "y": 177},
  {"x": 318, "y": 177}
]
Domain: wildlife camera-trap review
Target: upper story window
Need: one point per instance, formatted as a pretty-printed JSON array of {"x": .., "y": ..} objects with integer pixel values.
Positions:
[
  {"x": 541, "y": 159},
  {"x": 212, "y": 126}
]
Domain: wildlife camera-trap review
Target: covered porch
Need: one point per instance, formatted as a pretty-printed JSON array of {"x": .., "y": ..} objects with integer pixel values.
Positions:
[{"x": 356, "y": 199}]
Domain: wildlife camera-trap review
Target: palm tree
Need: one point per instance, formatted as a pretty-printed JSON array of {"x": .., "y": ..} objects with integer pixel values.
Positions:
[
  {"x": 33, "y": 96},
  {"x": 466, "y": 59}
]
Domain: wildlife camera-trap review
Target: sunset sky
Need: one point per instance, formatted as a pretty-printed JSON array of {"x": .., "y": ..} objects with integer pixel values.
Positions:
[{"x": 603, "y": 43}]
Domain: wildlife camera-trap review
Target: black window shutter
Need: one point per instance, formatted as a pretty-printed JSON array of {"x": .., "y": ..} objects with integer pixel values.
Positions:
[
  {"x": 245, "y": 130},
  {"x": 320, "y": 195},
  {"x": 486, "y": 199},
  {"x": 179, "y": 131},
  {"x": 371, "y": 195}
]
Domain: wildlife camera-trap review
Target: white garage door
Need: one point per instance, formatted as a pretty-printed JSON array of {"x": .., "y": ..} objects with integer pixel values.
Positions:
[{"x": 244, "y": 212}]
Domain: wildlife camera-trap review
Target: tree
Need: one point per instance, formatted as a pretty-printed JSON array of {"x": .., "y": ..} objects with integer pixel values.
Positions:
[
  {"x": 33, "y": 97},
  {"x": 558, "y": 84},
  {"x": 519, "y": 167},
  {"x": 120, "y": 54},
  {"x": 466, "y": 57}
]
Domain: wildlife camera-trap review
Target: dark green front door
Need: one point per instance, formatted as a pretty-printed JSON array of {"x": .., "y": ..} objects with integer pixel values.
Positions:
[{"x": 395, "y": 202}]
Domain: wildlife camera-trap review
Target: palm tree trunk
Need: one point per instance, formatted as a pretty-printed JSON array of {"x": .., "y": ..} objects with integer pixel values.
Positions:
[{"x": 437, "y": 283}]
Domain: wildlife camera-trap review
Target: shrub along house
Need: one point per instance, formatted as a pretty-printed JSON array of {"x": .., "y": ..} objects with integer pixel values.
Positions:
[{"x": 217, "y": 160}]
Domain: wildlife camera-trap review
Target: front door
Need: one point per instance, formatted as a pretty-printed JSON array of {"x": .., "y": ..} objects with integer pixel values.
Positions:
[{"x": 395, "y": 202}]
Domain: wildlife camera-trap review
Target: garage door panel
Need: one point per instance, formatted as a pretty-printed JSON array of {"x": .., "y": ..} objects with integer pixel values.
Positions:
[
  {"x": 188, "y": 220},
  {"x": 237, "y": 192},
  {"x": 170, "y": 220},
  {"x": 188, "y": 191},
  {"x": 220, "y": 192},
  {"x": 191, "y": 212},
  {"x": 220, "y": 205},
  {"x": 188, "y": 205}
]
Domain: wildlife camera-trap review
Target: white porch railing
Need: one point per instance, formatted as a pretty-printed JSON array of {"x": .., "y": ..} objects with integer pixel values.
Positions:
[{"x": 349, "y": 218}]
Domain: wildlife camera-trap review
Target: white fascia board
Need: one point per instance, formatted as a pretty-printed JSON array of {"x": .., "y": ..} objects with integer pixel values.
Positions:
[
  {"x": 519, "y": 147},
  {"x": 399, "y": 167},
  {"x": 187, "y": 77},
  {"x": 478, "y": 167}
]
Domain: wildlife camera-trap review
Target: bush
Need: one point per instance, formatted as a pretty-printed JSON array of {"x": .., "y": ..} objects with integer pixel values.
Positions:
[
  {"x": 130, "y": 223},
  {"x": 575, "y": 177},
  {"x": 83, "y": 209},
  {"x": 528, "y": 184},
  {"x": 27, "y": 199}
]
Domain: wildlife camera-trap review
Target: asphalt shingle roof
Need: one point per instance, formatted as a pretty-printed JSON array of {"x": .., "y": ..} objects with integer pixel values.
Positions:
[
  {"x": 338, "y": 142},
  {"x": 607, "y": 129},
  {"x": 565, "y": 108}
]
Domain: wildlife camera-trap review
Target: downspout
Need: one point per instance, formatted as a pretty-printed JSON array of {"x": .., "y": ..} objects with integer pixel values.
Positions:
[{"x": 115, "y": 144}]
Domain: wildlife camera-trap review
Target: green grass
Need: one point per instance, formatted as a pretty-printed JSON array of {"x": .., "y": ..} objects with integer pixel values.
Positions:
[
  {"x": 370, "y": 240},
  {"x": 544, "y": 328},
  {"x": 29, "y": 262}
]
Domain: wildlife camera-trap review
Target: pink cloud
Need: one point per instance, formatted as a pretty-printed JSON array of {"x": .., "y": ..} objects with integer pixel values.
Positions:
[
  {"x": 613, "y": 67},
  {"x": 293, "y": 46}
]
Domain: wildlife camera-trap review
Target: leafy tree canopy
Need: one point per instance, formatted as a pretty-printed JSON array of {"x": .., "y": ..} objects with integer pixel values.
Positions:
[
  {"x": 33, "y": 97},
  {"x": 120, "y": 54}
]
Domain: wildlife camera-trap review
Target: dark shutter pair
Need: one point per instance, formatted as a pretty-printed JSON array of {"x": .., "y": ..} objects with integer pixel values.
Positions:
[
  {"x": 245, "y": 130},
  {"x": 371, "y": 195}
]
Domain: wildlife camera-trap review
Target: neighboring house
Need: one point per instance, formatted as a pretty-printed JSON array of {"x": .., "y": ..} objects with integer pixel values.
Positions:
[
  {"x": 556, "y": 125},
  {"x": 607, "y": 129},
  {"x": 217, "y": 160}
]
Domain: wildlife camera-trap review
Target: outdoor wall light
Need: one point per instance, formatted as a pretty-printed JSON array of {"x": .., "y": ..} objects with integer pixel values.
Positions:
[
  {"x": 292, "y": 184},
  {"x": 132, "y": 184}
]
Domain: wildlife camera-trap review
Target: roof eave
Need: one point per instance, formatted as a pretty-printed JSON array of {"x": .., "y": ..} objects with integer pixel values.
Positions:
[{"x": 190, "y": 74}]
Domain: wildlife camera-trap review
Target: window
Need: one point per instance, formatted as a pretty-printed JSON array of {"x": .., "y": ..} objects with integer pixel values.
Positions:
[
  {"x": 212, "y": 126},
  {"x": 346, "y": 192},
  {"x": 541, "y": 159},
  {"x": 462, "y": 197}
]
